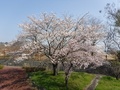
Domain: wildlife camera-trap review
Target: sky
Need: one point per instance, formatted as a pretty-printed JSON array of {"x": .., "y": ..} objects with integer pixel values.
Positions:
[{"x": 15, "y": 12}]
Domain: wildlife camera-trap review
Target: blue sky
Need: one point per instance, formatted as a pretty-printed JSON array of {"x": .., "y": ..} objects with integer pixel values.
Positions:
[{"x": 15, "y": 12}]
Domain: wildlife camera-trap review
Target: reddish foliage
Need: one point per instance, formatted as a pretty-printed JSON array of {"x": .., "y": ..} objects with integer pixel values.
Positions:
[{"x": 12, "y": 78}]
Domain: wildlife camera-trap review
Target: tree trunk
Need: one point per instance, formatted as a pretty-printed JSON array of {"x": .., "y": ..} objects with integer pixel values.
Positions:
[
  {"x": 117, "y": 77},
  {"x": 66, "y": 80},
  {"x": 55, "y": 69},
  {"x": 67, "y": 74},
  {"x": 106, "y": 56}
]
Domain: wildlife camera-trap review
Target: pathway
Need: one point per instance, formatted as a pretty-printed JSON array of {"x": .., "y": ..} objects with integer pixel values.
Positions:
[{"x": 94, "y": 83}]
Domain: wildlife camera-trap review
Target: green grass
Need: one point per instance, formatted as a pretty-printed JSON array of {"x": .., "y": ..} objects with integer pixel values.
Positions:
[
  {"x": 77, "y": 81},
  {"x": 108, "y": 83}
]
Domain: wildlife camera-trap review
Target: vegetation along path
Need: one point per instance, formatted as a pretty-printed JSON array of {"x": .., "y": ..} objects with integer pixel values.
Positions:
[
  {"x": 14, "y": 78},
  {"x": 94, "y": 83}
]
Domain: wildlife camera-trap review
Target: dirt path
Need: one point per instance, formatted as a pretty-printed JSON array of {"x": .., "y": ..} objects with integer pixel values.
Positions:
[
  {"x": 14, "y": 78},
  {"x": 94, "y": 83}
]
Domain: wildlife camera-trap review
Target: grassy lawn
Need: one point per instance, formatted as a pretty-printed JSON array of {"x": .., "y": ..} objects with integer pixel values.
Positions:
[
  {"x": 77, "y": 81},
  {"x": 108, "y": 83}
]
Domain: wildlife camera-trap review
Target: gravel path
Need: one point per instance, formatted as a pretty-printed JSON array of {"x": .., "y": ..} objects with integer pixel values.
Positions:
[{"x": 14, "y": 78}]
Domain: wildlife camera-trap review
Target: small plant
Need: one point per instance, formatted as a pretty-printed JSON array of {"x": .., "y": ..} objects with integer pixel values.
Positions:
[{"x": 1, "y": 66}]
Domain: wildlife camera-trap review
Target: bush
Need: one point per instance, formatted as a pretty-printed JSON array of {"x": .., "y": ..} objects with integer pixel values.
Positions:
[
  {"x": 33, "y": 69},
  {"x": 1, "y": 66}
]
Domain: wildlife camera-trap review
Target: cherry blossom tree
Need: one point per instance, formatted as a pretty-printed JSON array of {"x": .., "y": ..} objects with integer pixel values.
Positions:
[
  {"x": 82, "y": 50},
  {"x": 47, "y": 34},
  {"x": 72, "y": 42}
]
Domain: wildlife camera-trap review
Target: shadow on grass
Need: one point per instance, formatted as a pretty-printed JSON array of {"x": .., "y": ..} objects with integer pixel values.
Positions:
[{"x": 49, "y": 82}]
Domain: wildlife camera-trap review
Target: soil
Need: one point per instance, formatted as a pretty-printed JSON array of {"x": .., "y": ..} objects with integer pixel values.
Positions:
[{"x": 14, "y": 78}]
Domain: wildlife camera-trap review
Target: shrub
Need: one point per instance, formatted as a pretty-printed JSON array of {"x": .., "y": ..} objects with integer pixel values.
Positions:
[{"x": 33, "y": 69}]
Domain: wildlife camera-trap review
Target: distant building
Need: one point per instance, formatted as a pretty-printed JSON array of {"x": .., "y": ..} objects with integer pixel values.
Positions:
[{"x": 2, "y": 54}]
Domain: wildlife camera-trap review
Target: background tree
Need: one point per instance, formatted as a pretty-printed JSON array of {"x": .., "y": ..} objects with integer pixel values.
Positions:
[
  {"x": 113, "y": 34},
  {"x": 112, "y": 40}
]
